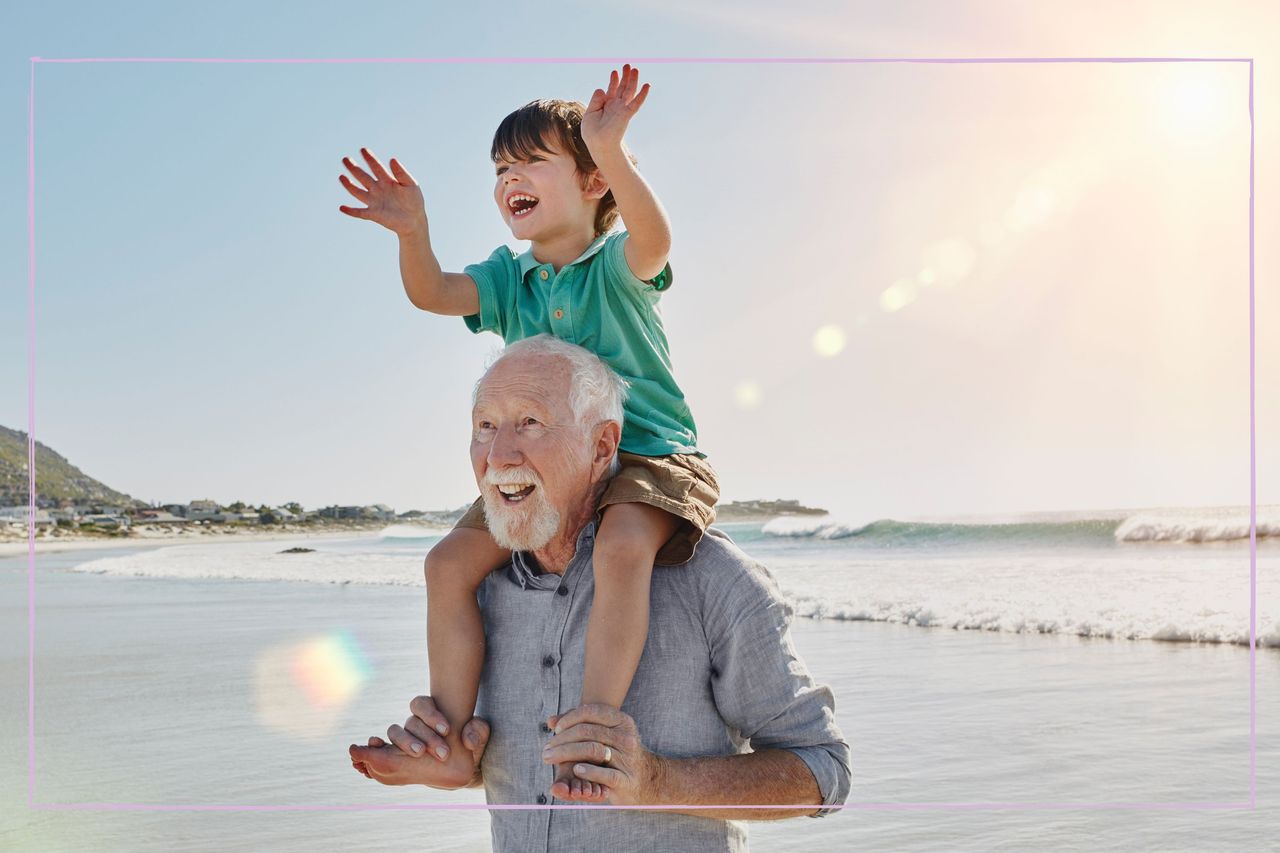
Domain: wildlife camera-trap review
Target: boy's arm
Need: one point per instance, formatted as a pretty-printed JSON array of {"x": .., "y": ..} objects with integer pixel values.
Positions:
[
  {"x": 453, "y": 294},
  {"x": 394, "y": 200},
  {"x": 603, "y": 125}
]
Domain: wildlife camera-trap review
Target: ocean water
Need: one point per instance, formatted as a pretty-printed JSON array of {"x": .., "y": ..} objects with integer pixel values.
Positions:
[
  {"x": 1174, "y": 575},
  {"x": 1034, "y": 661}
]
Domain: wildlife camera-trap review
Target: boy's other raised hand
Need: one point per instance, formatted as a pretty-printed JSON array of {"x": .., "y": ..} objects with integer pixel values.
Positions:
[
  {"x": 605, "y": 121},
  {"x": 393, "y": 199}
]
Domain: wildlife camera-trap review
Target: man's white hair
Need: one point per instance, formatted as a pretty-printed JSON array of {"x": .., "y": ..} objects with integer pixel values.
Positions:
[{"x": 596, "y": 392}]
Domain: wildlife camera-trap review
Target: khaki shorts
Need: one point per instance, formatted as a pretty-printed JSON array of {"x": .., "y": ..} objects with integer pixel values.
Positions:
[{"x": 682, "y": 484}]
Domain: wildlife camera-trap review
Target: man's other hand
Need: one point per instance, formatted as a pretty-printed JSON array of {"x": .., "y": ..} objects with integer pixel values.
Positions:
[
  {"x": 418, "y": 754},
  {"x": 603, "y": 744}
]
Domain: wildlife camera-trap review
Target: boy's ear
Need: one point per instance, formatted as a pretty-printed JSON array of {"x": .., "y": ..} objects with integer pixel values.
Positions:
[{"x": 597, "y": 186}]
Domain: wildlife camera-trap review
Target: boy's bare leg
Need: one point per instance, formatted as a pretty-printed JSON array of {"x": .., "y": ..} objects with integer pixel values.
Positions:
[
  {"x": 631, "y": 535},
  {"x": 455, "y": 568}
]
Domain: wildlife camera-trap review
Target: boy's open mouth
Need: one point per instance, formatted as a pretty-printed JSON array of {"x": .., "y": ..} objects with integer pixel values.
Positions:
[
  {"x": 515, "y": 492},
  {"x": 520, "y": 204}
]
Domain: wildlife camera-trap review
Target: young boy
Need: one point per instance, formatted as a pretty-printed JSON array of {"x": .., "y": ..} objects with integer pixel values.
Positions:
[{"x": 564, "y": 177}]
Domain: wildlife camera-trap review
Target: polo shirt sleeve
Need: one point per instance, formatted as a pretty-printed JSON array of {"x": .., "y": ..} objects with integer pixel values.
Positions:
[
  {"x": 761, "y": 686},
  {"x": 495, "y": 287},
  {"x": 618, "y": 270}
]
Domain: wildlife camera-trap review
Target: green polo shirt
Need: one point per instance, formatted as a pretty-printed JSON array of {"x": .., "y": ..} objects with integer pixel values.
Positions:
[{"x": 597, "y": 303}]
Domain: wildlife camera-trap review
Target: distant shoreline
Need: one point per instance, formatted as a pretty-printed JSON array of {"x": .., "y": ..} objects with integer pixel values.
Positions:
[{"x": 144, "y": 535}]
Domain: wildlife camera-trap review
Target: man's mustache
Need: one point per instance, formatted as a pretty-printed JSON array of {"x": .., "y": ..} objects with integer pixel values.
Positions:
[{"x": 511, "y": 477}]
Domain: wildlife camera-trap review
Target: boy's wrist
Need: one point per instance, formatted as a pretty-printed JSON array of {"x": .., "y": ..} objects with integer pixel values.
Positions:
[{"x": 417, "y": 230}]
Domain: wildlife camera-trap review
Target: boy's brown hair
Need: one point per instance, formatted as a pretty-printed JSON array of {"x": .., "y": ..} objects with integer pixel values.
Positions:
[{"x": 529, "y": 129}]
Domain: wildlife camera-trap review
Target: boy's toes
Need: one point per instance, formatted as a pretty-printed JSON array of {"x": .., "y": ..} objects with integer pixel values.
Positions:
[{"x": 560, "y": 790}]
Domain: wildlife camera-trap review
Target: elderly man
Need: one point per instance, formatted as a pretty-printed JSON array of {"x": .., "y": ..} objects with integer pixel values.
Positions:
[{"x": 721, "y": 712}]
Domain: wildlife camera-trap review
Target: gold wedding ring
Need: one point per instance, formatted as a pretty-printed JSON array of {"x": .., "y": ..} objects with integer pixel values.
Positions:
[{"x": 608, "y": 755}]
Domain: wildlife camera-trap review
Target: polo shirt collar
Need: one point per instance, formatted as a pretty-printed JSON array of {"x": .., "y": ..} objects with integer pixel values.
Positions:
[{"x": 527, "y": 261}]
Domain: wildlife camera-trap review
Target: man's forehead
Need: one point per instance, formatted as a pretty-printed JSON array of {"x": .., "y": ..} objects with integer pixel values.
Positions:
[{"x": 534, "y": 378}]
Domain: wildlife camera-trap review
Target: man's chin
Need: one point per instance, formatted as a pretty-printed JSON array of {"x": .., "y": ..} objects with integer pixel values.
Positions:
[{"x": 519, "y": 528}]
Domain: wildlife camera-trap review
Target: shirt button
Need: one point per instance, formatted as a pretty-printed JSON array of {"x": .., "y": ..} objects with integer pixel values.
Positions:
[
  {"x": 548, "y": 661},
  {"x": 542, "y": 799},
  {"x": 559, "y": 314},
  {"x": 545, "y": 727},
  {"x": 562, "y": 590},
  {"x": 542, "y": 274}
]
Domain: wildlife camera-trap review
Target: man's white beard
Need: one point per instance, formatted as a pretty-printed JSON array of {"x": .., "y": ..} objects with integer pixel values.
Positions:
[{"x": 526, "y": 526}]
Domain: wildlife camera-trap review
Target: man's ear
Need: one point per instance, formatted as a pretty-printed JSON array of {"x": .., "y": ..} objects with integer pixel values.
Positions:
[{"x": 607, "y": 436}]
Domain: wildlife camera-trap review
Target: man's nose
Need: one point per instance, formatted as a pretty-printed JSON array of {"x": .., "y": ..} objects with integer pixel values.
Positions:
[{"x": 504, "y": 449}]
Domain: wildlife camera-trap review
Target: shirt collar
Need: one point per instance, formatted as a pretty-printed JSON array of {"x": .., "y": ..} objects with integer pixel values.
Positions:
[
  {"x": 525, "y": 568},
  {"x": 527, "y": 261}
]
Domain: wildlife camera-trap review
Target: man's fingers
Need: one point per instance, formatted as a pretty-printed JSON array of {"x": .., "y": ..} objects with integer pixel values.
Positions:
[
  {"x": 583, "y": 732},
  {"x": 605, "y": 715},
  {"x": 425, "y": 709},
  {"x": 401, "y": 174},
  {"x": 361, "y": 195},
  {"x": 475, "y": 734},
  {"x": 365, "y": 179},
  {"x": 379, "y": 171},
  {"x": 606, "y": 776},
  {"x": 591, "y": 751},
  {"x": 431, "y": 742},
  {"x": 404, "y": 741}
]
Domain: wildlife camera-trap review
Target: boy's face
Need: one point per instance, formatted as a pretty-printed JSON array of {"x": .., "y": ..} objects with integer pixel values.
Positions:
[{"x": 549, "y": 177}]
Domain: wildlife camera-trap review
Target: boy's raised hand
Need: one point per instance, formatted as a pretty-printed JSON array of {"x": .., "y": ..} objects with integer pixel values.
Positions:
[
  {"x": 393, "y": 199},
  {"x": 605, "y": 120}
]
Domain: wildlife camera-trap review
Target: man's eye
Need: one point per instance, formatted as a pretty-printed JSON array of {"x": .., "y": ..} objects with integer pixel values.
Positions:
[
  {"x": 530, "y": 421},
  {"x": 484, "y": 425}
]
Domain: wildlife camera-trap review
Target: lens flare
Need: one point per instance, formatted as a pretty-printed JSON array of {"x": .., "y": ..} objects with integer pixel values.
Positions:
[
  {"x": 897, "y": 296},
  {"x": 828, "y": 341},
  {"x": 303, "y": 688},
  {"x": 748, "y": 394}
]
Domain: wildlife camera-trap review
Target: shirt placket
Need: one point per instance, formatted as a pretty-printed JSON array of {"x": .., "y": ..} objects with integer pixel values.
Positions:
[{"x": 560, "y": 302}]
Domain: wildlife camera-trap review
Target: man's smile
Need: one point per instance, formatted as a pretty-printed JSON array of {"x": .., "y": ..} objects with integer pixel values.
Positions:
[{"x": 515, "y": 492}]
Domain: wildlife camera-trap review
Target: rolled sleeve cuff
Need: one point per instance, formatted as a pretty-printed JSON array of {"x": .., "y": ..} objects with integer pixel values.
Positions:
[
  {"x": 487, "y": 318},
  {"x": 831, "y": 771}
]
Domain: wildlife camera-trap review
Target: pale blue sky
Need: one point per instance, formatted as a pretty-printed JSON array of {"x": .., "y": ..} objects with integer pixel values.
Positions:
[{"x": 210, "y": 326}]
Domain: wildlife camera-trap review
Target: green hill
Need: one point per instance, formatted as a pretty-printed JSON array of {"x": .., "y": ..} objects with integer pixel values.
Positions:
[{"x": 57, "y": 479}]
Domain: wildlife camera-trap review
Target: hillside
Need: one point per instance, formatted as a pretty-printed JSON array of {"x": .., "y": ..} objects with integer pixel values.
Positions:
[{"x": 56, "y": 479}]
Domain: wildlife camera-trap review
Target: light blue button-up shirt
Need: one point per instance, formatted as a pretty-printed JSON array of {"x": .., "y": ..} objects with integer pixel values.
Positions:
[{"x": 719, "y": 676}]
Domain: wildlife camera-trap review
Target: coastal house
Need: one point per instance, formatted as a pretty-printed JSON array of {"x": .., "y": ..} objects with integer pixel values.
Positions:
[
  {"x": 106, "y": 520},
  {"x": 382, "y": 512},
  {"x": 204, "y": 511}
]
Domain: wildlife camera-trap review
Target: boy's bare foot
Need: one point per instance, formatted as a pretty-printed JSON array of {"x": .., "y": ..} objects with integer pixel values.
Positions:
[{"x": 570, "y": 787}]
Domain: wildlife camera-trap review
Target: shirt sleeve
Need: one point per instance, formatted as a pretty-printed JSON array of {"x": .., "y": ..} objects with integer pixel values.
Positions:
[
  {"x": 621, "y": 272},
  {"x": 762, "y": 687},
  {"x": 495, "y": 280}
]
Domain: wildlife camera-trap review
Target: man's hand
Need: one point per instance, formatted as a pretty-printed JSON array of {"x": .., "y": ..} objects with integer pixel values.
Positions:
[
  {"x": 605, "y": 121},
  {"x": 393, "y": 199},
  {"x": 604, "y": 746},
  {"x": 418, "y": 755}
]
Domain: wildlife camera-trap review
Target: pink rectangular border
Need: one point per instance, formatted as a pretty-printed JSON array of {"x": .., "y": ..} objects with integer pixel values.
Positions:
[{"x": 31, "y": 445}]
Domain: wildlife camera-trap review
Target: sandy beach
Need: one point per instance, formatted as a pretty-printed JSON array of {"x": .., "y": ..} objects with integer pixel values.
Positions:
[{"x": 160, "y": 691}]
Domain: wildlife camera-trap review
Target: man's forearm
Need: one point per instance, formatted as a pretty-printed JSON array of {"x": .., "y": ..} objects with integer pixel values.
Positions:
[
  {"x": 647, "y": 223},
  {"x": 423, "y": 278},
  {"x": 767, "y": 777}
]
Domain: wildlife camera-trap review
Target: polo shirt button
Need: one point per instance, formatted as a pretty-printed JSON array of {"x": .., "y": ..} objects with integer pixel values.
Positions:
[
  {"x": 548, "y": 661},
  {"x": 542, "y": 274},
  {"x": 545, "y": 727},
  {"x": 559, "y": 314},
  {"x": 562, "y": 590},
  {"x": 542, "y": 799}
]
